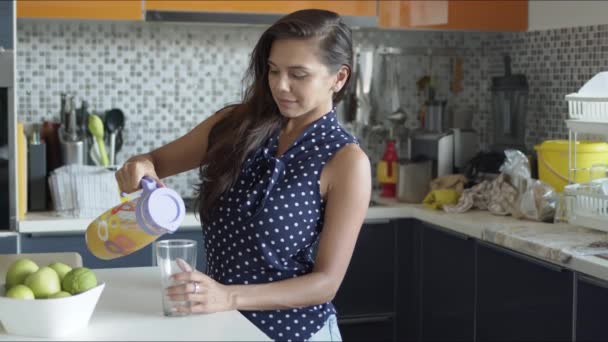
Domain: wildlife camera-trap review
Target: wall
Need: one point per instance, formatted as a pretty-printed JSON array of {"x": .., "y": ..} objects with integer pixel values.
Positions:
[
  {"x": 556, "y": 62},
  {"x": 169, "y": 77},
  {"x": 543, "y": 15}
]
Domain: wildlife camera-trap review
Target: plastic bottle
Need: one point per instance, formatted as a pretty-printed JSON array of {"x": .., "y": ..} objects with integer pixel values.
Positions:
[
  {"x": 387, "y": 171},
  {"x": 132, "y": 225}
]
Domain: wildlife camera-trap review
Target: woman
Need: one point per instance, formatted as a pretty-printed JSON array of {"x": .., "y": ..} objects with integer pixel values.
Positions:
[{"x": 284, "y": 189}]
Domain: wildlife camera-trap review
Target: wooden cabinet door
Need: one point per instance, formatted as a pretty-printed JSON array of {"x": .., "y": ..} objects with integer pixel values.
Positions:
[
  {"x": 81, "y": 9},
  {"x": 350, "y": 8},
  {"x": 482, "y": 15}
]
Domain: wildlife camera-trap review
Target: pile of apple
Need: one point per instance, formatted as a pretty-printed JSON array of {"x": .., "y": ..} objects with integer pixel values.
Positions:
[{"x": 26, "y": 280}]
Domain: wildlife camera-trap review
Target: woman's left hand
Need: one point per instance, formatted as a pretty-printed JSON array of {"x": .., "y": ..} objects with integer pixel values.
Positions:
[{"x": 204, "y": 294}]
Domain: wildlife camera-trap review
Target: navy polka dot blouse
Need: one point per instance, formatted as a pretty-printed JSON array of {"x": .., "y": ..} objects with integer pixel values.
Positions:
[{"x": 264, "y": 228}]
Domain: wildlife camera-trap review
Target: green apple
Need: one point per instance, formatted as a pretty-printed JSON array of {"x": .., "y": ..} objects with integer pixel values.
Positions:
[
  {"x": 18, "y": 271},
  {"x": 61, "y": 269},
  {"x": 78, "y": 280},
  {"x": 43, "y": 282},
  {"x": 60, "y": 294},
  {"x": 20, "y": 292}
]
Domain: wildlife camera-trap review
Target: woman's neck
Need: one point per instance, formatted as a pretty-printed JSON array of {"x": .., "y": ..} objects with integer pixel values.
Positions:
[{"x": 294, "y": 126}]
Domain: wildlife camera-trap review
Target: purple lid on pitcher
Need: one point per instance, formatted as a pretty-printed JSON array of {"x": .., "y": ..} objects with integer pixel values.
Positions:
[{"x": 159, "y": 210}]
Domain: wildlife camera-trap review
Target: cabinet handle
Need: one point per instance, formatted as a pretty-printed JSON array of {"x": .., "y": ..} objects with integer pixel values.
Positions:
[
  {"x": 366, "y": 319},
  {"x": 515, "y": 254},
  {"x": 592, "y": 281}
]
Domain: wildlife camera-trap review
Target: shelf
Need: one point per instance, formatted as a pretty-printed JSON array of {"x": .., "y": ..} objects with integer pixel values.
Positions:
[{"x": 591, "y": 127}]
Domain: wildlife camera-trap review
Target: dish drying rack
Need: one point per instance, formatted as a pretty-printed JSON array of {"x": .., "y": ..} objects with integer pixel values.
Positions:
[{"x": 587, "y": 204}]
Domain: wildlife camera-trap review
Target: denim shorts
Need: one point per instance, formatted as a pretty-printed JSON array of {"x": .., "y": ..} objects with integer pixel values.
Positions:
[{"x": 329, "y": 331}]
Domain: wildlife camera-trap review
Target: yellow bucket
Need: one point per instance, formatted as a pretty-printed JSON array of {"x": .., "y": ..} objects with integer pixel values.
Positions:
[{"x": 553, "y": 160}]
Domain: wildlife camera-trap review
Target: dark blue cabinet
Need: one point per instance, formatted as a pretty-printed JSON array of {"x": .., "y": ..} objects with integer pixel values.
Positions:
[
  {"x": 6, "y": 24},
  {"x": 520, "y": 298},
  {"x": 76, "y": 243},
  {"x": 591, "y": 304},
  {"x": 407, "y": 288},
  {"x": 365, "y": 301},
  {"x": 8, "y": 244},
  {"x": 447, "y": 276}
]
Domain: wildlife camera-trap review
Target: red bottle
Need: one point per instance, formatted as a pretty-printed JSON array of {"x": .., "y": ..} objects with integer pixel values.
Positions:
[{"x": 386, "y": 171}]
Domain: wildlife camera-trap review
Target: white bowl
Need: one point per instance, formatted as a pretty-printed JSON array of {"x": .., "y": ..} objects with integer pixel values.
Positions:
[{"x": 54, "y": 317}]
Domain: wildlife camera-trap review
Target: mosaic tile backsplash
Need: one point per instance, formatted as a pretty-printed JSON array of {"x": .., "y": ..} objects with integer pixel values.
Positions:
[{"x": 169, "y": 77}]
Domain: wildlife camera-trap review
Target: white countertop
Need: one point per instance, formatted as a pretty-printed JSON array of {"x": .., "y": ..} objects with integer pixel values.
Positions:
[
  {"x": 557, "y": 243},
  {"x": 130, "y": 309},
  {"x": 50, "y": 222},
  {"x": 9, "y": 233}
]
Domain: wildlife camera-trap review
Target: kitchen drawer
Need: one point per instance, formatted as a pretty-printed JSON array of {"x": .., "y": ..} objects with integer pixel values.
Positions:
[
  {"x": 76, "y": 243},
  {"x": 368, "y": 286}
]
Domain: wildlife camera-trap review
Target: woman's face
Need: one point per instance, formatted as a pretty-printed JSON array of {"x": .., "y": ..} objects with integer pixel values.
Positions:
[{"x": 300, "y": 83}]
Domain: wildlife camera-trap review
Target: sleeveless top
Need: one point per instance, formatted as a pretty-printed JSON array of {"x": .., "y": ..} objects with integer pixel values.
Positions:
[{"x": 265, "y": 227}]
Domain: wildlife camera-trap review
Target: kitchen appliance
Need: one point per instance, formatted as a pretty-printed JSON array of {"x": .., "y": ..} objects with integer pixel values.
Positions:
[
  {"x": 509, "y": 105},
  {"x": 434, "y": 119},
  {"x": 437, "y": 147},
  {"x": 466, "y": 146},
  {"x": 8, "y": 172},
  {"x": 414, "y": 180}
]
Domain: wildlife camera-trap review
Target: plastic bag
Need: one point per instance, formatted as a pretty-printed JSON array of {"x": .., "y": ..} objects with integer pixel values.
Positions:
[
  {"x": 517, "y": 167},
  {"x": 536, "y": 200}
]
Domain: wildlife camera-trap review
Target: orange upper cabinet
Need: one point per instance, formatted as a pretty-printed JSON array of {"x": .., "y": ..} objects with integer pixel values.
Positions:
[
  {"x": 81, "y": 9},
  {"x": 347, "y": 8},
  {"x": 481, "y": 15}
]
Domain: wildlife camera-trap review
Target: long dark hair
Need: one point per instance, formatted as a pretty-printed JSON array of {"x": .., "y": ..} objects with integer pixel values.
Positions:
[{"x": 249, "y": 124}]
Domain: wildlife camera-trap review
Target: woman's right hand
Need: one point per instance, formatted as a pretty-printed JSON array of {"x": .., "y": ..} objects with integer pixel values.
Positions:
[{"x": 130, "y": 174}]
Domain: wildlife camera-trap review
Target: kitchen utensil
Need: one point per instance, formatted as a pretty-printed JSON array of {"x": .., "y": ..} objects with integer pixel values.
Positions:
[
  {"x": 36, "y": 172},
  {"x": 72, "y": 152},
  {"x": 115, "y": 120},
  {"x": 509, "y": 104},
  {"x": 466, "y": 146},
  {"x": 70, "y": 126},
  {"x": 414, "y": 180},
  {"x": 434, "y": 120},
  {"x": 96, "y": 128},
  {"x": 94, "y": 154},
  {"x": 365, "y": 64},
  {"x": 132, "y": 225}
]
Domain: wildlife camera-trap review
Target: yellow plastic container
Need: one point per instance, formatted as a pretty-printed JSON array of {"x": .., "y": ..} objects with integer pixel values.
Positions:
[{"x": 553, "y": 160}]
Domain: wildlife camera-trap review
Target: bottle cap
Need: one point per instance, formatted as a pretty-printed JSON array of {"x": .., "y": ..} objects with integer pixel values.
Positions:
[{"x": 160, "y": 209}]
